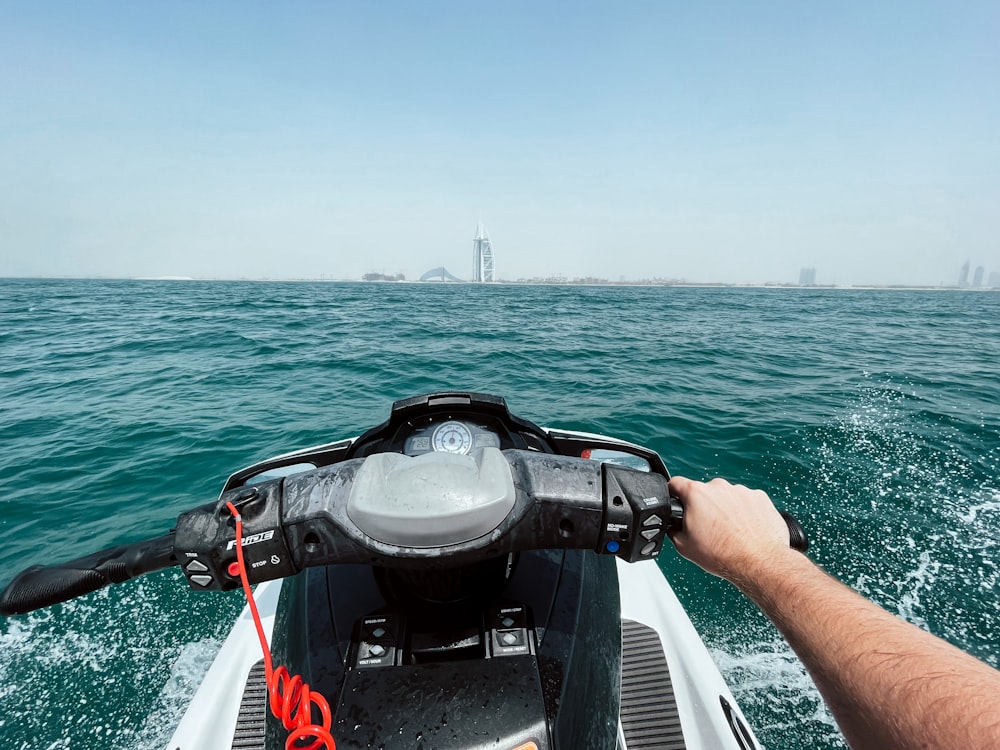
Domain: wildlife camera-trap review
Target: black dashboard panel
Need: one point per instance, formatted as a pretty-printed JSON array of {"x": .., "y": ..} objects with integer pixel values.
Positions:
[{"x": 453, "y": 423}]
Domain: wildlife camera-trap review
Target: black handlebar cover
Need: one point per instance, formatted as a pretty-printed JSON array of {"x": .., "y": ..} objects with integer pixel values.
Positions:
[{"x": 302, "y": 521}]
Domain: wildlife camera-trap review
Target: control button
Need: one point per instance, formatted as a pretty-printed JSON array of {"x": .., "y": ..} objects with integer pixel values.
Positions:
[
  {"x": 376, "y": 650},
  {"x": 648, "y": 549},
  {"x": 649, "y": 533},
  {"x": 379, "y": 632},
  {"x": 511, "y": 638},
  {"x": 612, "y": 546},
  {"x": 653, "y": 520},
  {"x": 201, "y": 580},
  {"x": 234, "y": 569},
  {"x": 196, "y": 566},
  {"x": 507, "y": 622}
]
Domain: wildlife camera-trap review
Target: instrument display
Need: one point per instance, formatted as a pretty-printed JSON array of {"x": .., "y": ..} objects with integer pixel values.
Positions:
[{"x": 452, "y": 436}]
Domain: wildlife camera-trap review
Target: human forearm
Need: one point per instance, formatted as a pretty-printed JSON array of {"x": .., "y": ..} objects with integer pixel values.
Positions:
[{"x": 888, "y": 683}]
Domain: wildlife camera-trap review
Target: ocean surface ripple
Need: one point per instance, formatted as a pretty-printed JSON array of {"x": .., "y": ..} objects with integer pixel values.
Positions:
[{"x": 874, "y": 416}]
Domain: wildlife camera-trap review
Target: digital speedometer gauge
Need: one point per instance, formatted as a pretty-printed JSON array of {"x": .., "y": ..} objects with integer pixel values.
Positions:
[{"x": 452, "y": 437}]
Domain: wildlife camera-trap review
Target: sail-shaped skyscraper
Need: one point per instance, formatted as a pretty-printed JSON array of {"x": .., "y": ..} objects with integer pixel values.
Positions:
[{"x": 483, "y": 268}]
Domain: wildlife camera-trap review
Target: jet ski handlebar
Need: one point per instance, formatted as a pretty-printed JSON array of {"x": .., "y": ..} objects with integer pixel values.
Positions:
[{"x": 434, "y": 511}]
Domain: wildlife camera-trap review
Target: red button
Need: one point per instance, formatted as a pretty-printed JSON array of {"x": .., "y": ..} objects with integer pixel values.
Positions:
[{"x": 234, "y": 569}]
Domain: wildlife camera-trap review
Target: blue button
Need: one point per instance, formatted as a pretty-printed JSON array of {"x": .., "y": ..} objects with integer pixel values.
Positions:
[{"x": 612, "y": 546}]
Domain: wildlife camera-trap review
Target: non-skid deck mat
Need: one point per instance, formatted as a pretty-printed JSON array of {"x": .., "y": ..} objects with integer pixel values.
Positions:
[
  {"x": 648, "y": 710},
  {"x": 249, "y": 734}
]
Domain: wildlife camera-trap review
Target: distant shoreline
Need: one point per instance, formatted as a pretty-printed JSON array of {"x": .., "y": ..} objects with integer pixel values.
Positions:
[{"x": 528, "y": 282}]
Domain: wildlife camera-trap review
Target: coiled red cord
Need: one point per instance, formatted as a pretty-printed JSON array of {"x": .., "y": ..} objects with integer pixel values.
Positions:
[{"x": 291, "y": 698}]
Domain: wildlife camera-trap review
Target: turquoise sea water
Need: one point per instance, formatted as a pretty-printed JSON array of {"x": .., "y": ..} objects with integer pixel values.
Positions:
[{"x": 874, "y": 416}]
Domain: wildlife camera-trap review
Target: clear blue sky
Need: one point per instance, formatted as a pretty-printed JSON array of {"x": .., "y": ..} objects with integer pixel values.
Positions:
[{"x": 707, "y": 141}]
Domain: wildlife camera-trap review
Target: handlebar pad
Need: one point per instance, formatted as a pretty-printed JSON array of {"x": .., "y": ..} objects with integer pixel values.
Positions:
[
  {"x": 41, "y": 586},
  {"x": 307, "y": 520}
]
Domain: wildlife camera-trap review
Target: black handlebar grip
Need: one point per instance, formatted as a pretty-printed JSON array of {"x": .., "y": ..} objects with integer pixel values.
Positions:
[
  {"x": 39, "y": 586},
  {"x": 797, "y": 538},
  {"x": 42, "y": 586}
]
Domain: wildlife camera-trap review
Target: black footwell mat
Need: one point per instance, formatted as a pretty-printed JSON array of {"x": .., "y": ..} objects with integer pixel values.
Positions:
[{"x": 648, "y": 709}]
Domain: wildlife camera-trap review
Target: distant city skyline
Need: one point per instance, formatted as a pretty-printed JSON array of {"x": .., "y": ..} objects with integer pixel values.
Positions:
[
  {"x": 716, "y": 142},
  {"x": 978, "y": 277}
]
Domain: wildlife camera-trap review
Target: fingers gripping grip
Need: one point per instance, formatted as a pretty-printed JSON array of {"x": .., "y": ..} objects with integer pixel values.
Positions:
[{"x": 797, "y": 537}]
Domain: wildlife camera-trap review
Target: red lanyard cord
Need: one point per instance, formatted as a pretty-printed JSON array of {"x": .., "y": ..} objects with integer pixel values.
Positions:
[{"x": 291, "y": 698}]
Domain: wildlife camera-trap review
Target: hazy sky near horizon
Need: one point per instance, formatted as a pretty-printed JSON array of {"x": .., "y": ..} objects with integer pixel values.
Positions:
[{"x": 717, "y": 141}]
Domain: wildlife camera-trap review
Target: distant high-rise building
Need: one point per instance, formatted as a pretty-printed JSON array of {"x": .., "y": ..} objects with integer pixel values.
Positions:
[
  {"x": 963, "y": 277},
  {"x": 483, "y": 269},
  {"x": 807, "y": 277},
  {"x": 994, "y": 280},
  {"x": 977, "y": 276}
]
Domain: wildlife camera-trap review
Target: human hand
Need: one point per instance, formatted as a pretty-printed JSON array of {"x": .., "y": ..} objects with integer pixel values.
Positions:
[{"x": 729, "y": 530}]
